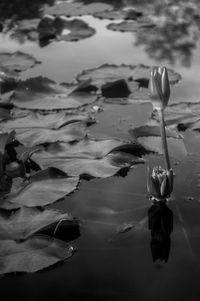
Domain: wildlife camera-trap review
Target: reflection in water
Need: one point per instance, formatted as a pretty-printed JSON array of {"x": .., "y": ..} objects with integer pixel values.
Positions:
[
  {"x": 175, "y": 36},
  {"x": 161, "y": 226}
]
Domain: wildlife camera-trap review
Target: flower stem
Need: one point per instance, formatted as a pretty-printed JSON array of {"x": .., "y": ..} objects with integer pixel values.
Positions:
[{"x": 164, "y": 139}]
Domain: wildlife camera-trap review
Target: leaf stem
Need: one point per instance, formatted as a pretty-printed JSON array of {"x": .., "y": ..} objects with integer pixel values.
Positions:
[{"x": 164, "y": 139}]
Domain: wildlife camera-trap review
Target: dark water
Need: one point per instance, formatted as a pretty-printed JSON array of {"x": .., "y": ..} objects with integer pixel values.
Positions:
[{"x": 109, "y": 264}]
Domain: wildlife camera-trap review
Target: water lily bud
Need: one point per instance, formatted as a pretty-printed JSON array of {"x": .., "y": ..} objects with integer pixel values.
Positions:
[
  {"x": 159, "y": 183},
  {"x": 159, "y": 88},
  {"x": 165, "y": 86}
]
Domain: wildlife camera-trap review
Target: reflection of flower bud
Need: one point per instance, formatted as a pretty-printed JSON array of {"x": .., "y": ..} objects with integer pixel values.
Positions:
[
  {"x": 159, "y": 87},
  {"x": 160, "y": 182}
]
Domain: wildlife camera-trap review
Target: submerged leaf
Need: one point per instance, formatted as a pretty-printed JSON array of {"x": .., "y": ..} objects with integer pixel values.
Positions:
[{"x": 32, "y": 255}]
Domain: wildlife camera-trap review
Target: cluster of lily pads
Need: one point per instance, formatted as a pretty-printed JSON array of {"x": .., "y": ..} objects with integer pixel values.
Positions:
[
  {"x": 62, "y": 22},
  {"x": 46, "y": 149}
]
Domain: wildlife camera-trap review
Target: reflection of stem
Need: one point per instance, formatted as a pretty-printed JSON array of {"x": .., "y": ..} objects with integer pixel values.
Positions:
[{"x": 164, "y": 139}]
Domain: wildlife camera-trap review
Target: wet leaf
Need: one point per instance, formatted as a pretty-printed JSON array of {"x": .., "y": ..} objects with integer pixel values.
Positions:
[
  {"x": 87, "y": 157},
  {"x": 26, "y": 28},
  {"x": 76, "y": 9},
  {"x": 50, "y": 28},
  {"x": 32, "y": 255},
  {"x": 17, "y": 61},
  {"x": 110, "y": 73},
  {"x": 78, "y": 30},
  {"x": 131, "y": 26},
  {"x": 148, "y": 130},
  {"x": 182, "y": 116},
  {"x": 154, "y": 144},
  {"x": 25, "y": 222},
  {"x": 35, "y": 128},
  {"x": 41, "y": 93},
  {"x": 43, "y": 188},
  {"x": 135, "y": 149},
  {"x": 130, "y": 14}
]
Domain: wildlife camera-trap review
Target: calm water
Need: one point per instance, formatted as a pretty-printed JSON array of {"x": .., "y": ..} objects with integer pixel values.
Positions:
[{"x": 108, "y": 265}]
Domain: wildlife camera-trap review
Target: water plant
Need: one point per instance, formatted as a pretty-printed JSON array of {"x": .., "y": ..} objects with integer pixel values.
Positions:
[{"x": 160, "y": 181}]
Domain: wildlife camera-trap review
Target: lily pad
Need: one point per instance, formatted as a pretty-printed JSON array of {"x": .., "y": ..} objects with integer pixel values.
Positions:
[
  {"x": 43, "y": 188},
  {"x": 17, "y": 61},
  {"x": 147, "y": 131},
  {"x": 27, "y": 221},
  {"x": 32, "y": 255},
  {"x": 154, "y": 144},
  {"x": 78, "y": 30},
  {"x": 110, "y": 73},
  {"x": 51, "y": 28},
  {"x": 26, "y": 28},
  {"x": 130, "y": 14},
  {"x": 41, "y": 93},
  {"x": 182, "y": 116},
  {"x": 131, "y": 26},
  {"x": 36, "y": 128},
  {"x": 76, "y": 9},
  {"x": 86, "y": 158}
]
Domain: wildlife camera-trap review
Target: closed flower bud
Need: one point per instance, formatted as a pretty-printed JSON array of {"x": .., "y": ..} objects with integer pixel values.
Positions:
[
  {"x": 159, "y": 88},
  {"x": 160, "y": 183}
]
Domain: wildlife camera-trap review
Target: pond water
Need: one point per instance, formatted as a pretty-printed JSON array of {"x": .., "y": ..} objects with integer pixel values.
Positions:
[{"x": 108, "y": 264}]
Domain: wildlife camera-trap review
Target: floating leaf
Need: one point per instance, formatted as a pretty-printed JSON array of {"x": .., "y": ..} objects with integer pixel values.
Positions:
[
  {"x": 87, "y": 157},
  {"x": 78, "y": 30},
  {"x": 130, "y": 14},
  {"x": 110, "y": 73},
  {"x": 50, "y": 28},
  {"x": 182, "y": 116},
  {"x": 41, "y": 93},
  {"x": 27, "y": 221},
  {"x": 154, "y": 144},
  {"x": 76, "y": 9},
  {"x": 148, "y": 130},
  {"x": 131, "y": 26},
  {"x": 17, "y": 61},
  {"x": 131, "y": 148},
  {"x": 32, "y": 255},
  {"x": 36, "y": 128},
  {"x": 44, "y": 187}
]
